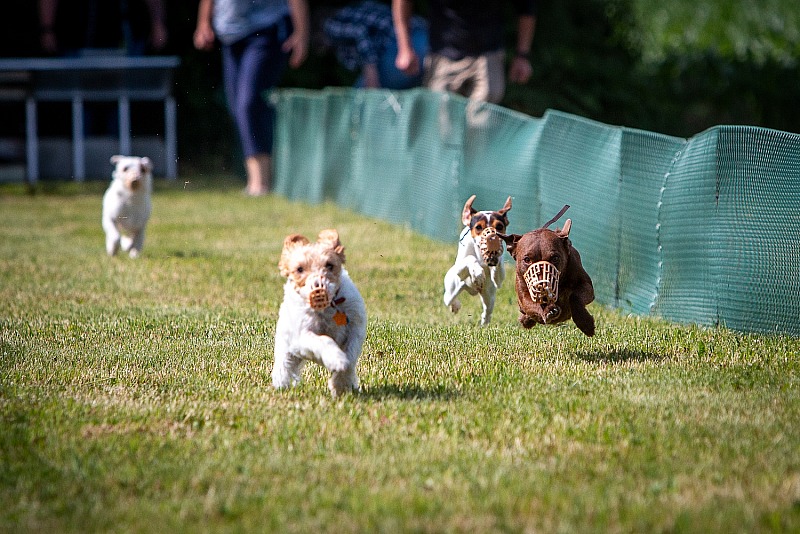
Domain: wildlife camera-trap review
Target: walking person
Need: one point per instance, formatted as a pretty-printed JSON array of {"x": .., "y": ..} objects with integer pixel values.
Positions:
[
  {"x": 467, "y": 48},
  {"x": 259, "y": 38}
]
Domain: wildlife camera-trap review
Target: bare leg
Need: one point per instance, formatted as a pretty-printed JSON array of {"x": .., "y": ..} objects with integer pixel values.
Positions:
[{"x": 259, "y": 174}]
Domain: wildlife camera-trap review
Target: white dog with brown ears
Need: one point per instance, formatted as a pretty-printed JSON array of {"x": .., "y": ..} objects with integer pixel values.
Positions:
[
  {"x": 322, "y": 317},
  {"x": 127, "y": 204},
  {"x": 478, "y": 268}
]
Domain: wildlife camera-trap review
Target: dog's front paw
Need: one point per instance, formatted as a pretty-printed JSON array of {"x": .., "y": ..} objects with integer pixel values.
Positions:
[
  {"x": 337, "y": 362},
  {"x": 126, "y": 242},
  {"x": 455, "y": 305},
  {"x": 526, "y": 321},
  {"x": 553, "y": 313},
  {"x": 477, "y": 277}
]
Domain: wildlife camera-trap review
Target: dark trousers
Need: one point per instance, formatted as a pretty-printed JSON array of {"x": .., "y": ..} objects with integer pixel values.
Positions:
[{"x": 252, "y": 66}]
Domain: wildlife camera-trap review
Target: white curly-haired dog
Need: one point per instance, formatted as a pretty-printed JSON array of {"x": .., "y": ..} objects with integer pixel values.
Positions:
[
  {"x": 322, "y": 317},
  {"x": 127, "y": 204}
]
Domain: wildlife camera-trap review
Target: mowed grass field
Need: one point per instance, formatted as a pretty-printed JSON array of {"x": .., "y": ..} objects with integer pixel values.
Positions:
[{"x": 135, "y": 395}]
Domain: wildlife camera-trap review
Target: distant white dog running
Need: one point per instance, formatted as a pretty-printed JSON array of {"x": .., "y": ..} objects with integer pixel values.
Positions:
[
  {"x": 322, "y": 317},
  {"x": 478, "y": 268},
  {"x": 127, "y": 204}
]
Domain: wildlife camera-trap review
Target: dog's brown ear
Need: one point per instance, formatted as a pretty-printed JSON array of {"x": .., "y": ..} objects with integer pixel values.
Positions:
[
  {"x": 468, "y": 211},
  {"x": 511, "y": 241},
  {"x": 564, "y": 232},
  {"x": 577, "y": 278},
  {"x": 506, "y": 207},
  {"x": 331, "y": 237},
  {"x": 289, "y": 243},
  {"x": 293, "y": 240}
]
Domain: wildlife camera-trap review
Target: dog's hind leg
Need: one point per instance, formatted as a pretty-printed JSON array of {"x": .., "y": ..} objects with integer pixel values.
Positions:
[
  {"x": 343, "y": 382},
  {"x": 286, "y": 371},
  {"x": 487, "y": 300},
  {"x": 489, "y": 292},
  {"x": 525, "y": 320},
  {"x": 112, "y": 237},
  {"x": 112, "y": 246},
  {"x": 137, "y": 244}
]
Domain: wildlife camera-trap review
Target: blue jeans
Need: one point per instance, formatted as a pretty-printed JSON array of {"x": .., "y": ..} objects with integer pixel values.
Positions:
[{"x": 251, "y": 67}]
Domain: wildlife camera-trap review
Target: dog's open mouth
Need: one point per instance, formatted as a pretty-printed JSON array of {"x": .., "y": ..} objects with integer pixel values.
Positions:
[
  {"x": 318, "y": 297},
  {"x": 542, "y": 281},
  {"x": 491, "y": 246}
]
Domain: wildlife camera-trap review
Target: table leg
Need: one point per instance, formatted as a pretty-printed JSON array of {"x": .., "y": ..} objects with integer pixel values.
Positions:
[
  {"x": 32, "y": 141},
  {"x": 78, "y": 145}
]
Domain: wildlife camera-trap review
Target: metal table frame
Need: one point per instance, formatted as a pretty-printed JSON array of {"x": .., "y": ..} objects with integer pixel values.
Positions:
[{"x": 91, "y": 79}]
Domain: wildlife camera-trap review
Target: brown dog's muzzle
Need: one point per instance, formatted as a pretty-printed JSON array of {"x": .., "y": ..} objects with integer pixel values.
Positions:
[
  {"x": 318, "y": 298},
  {"x": 491, "y": 246},
  {"x": 542, "y": 281}
]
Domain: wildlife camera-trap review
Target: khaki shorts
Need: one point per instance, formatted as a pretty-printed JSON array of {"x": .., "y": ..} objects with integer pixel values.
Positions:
[{"x": 477, "y": 77}]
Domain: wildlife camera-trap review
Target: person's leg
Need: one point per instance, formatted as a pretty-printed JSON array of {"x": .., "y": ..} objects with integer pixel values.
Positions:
[
  {"x": 456, "y": 76},
  {"x": 259, "y": 68},
  {"x": 231, "y": 59},
  {"x": 436, "y": 75},
  {"x": 489, "y": 79}
]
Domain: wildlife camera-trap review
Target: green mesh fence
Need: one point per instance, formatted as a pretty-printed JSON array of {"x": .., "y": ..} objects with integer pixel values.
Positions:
[{"x": 703, "y": 230}]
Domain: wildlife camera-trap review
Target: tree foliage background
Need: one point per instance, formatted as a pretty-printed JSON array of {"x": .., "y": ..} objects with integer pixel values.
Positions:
[{"x": 674, "y": 67}]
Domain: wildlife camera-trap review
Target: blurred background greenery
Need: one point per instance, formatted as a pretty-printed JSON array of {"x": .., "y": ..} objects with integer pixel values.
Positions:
[{"x": 674, "y": 67}]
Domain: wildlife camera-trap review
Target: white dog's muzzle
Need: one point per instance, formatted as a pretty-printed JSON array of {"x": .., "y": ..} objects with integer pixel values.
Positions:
[
  {"x": 134, "y": 183},
  {"x": 542, "y": 281},
  {"x": 491, "y": 246},
  {"x": 318, "y": 297}
]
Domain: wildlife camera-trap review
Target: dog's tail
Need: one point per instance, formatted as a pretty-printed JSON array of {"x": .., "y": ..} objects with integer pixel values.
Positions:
[{"x": 557, "y": 217}]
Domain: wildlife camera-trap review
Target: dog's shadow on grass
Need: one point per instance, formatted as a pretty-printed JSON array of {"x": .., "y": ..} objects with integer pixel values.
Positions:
[
  {"x": 407, "y": 392},
  {"x": 621, "y": 356},
  {"x": 188, "y": 254}
]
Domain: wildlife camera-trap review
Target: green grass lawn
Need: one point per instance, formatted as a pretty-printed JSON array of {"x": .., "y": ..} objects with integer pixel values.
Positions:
[{"x": 135, "y": 395}]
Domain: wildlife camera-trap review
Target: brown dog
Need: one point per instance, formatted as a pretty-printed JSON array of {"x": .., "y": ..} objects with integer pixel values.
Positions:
[{"x": 552, "y": 285}]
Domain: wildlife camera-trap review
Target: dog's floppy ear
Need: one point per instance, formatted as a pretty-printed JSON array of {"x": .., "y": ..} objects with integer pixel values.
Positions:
[
  {"x": 293, "y": 240},
  {"x": 116, "y": 159},
  {"x": 289, "y": 243},
  {"x": 146, "y": 164},
  {"x": 331, "y": 237},
  {"x": 468, "y": 211},
  {"x": 579, "y": 280},
  {"x": 511, "y": 241},
  {"x": 506, "y": 207}
]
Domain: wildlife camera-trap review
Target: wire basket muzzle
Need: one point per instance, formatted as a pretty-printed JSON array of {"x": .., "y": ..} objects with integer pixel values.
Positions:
[
  {"x": 491, "y": 246},
  {"x": 318, "y": 297},
  {"x": 542, "y": 281}
]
